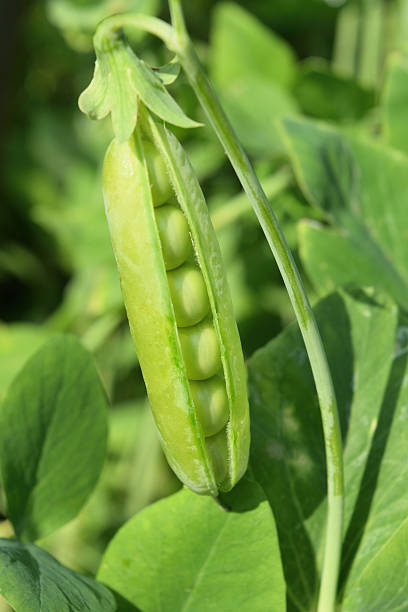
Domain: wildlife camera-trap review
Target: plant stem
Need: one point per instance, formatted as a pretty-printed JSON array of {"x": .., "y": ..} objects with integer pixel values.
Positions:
[
  {"x": 304, "y": 314},
  {"x": 108, "y": 28}
]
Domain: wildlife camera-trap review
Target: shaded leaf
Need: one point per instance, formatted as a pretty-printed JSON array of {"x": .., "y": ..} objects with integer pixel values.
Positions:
[
  {"x": 52, "y": 437},
  {"x": 18, "y": 341},
  {"x": 323, "y": 94},
  {"x": 31, "y": 579}
]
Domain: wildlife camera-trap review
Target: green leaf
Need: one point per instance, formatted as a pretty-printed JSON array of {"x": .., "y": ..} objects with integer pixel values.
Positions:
[
  {"x": 168, "y": 73},
  {"x": 31, "y": 579},
  {"x": 323, "y": 94},
  {"x": 362, "y": 189},
  {"x": 52, "y": 437},
  {"x": 96, "y": 101},
  {"x": 395, "y": 103},
  {"x": 253, "y": 106},
  {"x": 18, "y": 341},
  {"x": 376, "y": 578},
  {"x": 187, "y": 552},
  {"x": 326, "y": 253},
  {"x": 359, "y": 332},
  {"x": 241, "y": 46},
  {"x": 252, "y": 69},
  {"x": 120, "y": 79},
  {"x": 383, "y": 584}
]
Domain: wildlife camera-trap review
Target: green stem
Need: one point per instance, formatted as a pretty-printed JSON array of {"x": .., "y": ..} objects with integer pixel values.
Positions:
[
  {"x": 108, "y": 28},
  {"x": 304, "y": 314}
]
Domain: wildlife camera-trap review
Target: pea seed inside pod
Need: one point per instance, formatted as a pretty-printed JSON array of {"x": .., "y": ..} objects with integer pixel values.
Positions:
[
  {"x": 174, "y": 235},
  {"x": 217, "y": 448},
  {"x": 201, "y": 351},
  {"x": 189, "y": 295},
  {"x": 159, "y": 179},
  {"x": 211, "y": 402}
]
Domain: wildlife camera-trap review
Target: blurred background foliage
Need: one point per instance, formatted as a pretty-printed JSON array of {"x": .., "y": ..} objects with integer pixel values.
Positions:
[{"x": 267, "y": 60}]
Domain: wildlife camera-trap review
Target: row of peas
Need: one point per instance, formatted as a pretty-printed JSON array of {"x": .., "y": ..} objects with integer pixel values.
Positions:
[{"x": 198, "y": 340}]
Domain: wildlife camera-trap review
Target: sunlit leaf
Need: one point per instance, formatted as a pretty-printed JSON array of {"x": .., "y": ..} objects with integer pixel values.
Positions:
[{"x": 193, "y": 554}]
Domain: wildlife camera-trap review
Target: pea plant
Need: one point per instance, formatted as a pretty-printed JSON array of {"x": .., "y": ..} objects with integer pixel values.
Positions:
[{"x": 293, "y": 465}]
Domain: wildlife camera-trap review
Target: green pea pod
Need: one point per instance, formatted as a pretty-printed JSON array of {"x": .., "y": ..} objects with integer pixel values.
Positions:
[{"x": 179, "y": 308}]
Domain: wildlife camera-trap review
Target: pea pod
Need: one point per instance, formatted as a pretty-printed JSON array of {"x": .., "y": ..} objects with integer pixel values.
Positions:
[{"x": 179, "y": 308}]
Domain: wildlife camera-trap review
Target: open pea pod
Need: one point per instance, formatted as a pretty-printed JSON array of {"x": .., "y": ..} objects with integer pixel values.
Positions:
[{"x": 179, "y": 308}]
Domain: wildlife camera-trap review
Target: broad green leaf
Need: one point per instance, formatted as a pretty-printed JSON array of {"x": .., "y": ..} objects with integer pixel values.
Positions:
[
  {"x": 52, "y": 437},
  {"x": 362, "y": 188},
  {"x": 18, "y": 341},
  {"x": 187, "y": 552},
  {"x": 252, "y": 69},
  {"x": 31, "y": 579},
  {"x": 120, "y": 79},
  {"x": 383, "y": 585},
  {"x": 327, "y": 253},
  {"x": 135, "y": 474},
  {"x": 395, "y": 103},
  {"x": 253, "y": 106},
  {"x": 323, "y": 94},
  {"x": 359, "y": 331},
  {"x": 345, "y": 42},
  {"x": 241, "y": 46}
]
